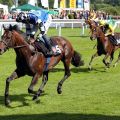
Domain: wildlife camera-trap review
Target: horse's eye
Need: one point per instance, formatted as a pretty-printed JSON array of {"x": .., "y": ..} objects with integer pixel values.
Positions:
[{"x": 94, "y": 29}]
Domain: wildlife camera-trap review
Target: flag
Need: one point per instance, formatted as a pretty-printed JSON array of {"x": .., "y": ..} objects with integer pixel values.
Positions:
[
  {"x": 45, "y": 3},
  {"x": 80, "y": 3},
  {"x": 72, "y": 3},
  {"x": 55, "y": 4},
  {"x": 87, "y": 4},
  {"x": 62, "y": 3}
]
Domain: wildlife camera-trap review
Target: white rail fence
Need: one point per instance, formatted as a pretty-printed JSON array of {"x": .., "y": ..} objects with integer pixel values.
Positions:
[{"x": 57, "y": 23}]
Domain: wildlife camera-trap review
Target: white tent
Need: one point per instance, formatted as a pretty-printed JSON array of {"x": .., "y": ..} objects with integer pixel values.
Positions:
[
  {"x": 32, "y": 2},
  {"x": 4, "y": 8}
]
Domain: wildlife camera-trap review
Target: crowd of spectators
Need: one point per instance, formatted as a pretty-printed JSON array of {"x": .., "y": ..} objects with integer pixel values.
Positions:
[
  {"x": 80, "y": 15},
  {"x": 8, "y": 16},
  {"x": 64, "y": 14}
]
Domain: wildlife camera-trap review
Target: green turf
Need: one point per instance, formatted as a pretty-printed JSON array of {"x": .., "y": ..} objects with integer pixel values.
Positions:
[{"x": 87, "y": 95}]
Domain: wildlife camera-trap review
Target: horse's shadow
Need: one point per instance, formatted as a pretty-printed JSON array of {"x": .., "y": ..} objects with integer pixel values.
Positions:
[
  {"x": 60, "y": 116},
  {"x": 83, "y": 36},
  {"x": 74, "y": 70},
  {"x": 80, "y": 70},
  {"x": 23, "y": 99}
]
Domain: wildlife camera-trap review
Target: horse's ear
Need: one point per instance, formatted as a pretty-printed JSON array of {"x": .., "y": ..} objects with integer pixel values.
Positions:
[
  {"x": 3, "y": 26},
  {"x": 15, "y": 27},
  {"x": 6, "y": 27},
  {"x": 10, "y": 27}
]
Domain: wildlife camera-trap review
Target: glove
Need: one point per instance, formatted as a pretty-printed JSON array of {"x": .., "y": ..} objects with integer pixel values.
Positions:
[{"x": 39, "y": 21}]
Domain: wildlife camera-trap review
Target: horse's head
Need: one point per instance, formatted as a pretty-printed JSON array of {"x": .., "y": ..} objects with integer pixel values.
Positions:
[
  {"x": 6, "y": 39},
  {"x": 94, "y": 32},
  {"x": 91, "y": 23}
]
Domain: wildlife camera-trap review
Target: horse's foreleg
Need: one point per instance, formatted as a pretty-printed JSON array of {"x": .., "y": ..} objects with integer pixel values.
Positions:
[
  {"x": 66, "y": 75},
  {"x": 104, "y": 60},
  {"x": 93, "y": 56},
  {"x": 13, "y": 76},
  {"x": 111, "y": 58},
  {"x": 44, "y": 81},
  {"x": 33, "y": 83}
]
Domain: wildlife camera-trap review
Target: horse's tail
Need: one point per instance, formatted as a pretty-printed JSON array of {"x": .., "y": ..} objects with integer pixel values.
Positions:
[{"x": 77, "y": 59}]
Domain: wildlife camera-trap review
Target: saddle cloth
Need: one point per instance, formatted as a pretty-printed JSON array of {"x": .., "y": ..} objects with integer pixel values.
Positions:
[
  {"x": 118, "y": 41},
  {"x": 41, "y": 46},
  {"x": 115, "y": 40}
]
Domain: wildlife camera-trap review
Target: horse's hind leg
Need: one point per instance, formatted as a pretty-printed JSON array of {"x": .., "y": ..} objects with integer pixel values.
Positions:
[
  {"x": 93, "y": 56},
  {"x": 111, "y": 59},
  {"x": 116, "y": 62},
  {"x": 40, "y": 90},
  {"x": 66, "y": 75},
  {"x": 14, "y": 75}
]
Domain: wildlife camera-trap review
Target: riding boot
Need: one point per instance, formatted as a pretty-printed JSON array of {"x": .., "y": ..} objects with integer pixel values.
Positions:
[{"x": 47, "y": 41}]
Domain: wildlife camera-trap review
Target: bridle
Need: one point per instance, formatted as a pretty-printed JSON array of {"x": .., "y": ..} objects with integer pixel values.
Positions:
[
  {"x": 96, "y": 33},
  {"x": 11, "y": 46}
]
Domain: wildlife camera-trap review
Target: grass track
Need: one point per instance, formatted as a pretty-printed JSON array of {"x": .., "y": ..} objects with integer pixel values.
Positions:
[{"x": 87, "y": 95}]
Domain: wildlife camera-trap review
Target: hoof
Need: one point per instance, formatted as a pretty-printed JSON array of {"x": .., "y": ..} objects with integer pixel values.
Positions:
[
  {"x": 114, "y": 65},
  {"x": 31, "y": 91},
  {"x": 35, "y": 97},
  {"x": 59, "y": 90},
  {"x": 108, "y": 65},
  {"x": 89, "y": 68},
  {"x": 7, "y": 102}
]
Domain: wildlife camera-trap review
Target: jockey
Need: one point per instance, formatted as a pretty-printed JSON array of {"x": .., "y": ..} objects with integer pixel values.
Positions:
[
  {"x": 109, "y": 28},
  {"x": 35, "y": 20}
]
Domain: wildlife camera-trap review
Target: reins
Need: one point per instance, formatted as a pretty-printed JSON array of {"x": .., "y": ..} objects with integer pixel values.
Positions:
[{"x": 19, "y": 46}]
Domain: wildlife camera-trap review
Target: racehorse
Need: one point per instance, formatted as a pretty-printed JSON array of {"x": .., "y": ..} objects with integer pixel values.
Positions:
[
  {"x": 33, "y": 65},
  {"x": 104, "y": 46}
]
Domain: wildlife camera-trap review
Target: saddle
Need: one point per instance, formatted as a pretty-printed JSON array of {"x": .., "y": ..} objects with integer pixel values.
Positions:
[
  {"x": 115, "y": 40},
  {"x": 40, "y": 46}
]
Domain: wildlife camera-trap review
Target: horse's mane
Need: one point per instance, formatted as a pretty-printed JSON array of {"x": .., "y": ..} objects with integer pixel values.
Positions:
[{"x": 16, "y": 28}]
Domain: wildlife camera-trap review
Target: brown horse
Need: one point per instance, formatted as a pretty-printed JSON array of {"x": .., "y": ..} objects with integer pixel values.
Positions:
[
  {"x": 91, "y": 23},
  {"x": 104, "y": 46},
  {"x": 35, "y": 65}
]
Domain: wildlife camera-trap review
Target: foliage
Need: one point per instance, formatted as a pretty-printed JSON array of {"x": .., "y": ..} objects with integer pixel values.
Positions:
[
  {"x": 113, "y": 10},
  {"x": 110, "y": 10},
  {"x": 70, "y": 16},
  {"x": 110, "y": 2}
]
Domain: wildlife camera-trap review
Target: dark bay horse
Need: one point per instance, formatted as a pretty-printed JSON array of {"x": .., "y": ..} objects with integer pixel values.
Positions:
[
  {"x": 100, "y": 47},
  {"x": 33, "y": 65},
  {"x": 104, "y": 46}
]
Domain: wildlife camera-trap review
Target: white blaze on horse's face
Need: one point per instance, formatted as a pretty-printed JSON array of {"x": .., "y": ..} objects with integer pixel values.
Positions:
[{"x": 94, "y": 34}]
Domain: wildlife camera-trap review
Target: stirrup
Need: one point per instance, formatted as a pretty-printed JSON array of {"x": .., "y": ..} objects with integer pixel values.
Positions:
[
  {"x": 49, "y": 54},
  {"x": 56, "y": 53}
]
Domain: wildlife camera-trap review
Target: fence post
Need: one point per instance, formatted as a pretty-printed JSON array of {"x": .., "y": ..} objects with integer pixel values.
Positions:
[
  {"x": 59, "y": 30},
  {"x": 1, "y": 30},
  {"x": 83, "y": 28}
]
